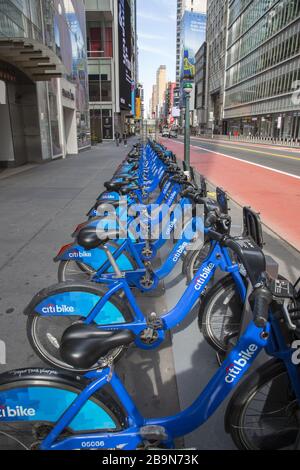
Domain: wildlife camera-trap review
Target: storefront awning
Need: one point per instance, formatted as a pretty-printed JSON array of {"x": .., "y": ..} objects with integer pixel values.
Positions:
[{"x": 33, "y": 58}]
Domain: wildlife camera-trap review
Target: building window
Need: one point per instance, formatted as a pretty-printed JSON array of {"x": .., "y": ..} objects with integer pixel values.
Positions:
[
  {"x": 99, "y": 39},
  {"x": 100, "y": 84}
]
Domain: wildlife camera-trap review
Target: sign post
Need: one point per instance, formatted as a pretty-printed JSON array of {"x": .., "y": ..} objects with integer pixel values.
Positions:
[{"x": 187, "y": 88}]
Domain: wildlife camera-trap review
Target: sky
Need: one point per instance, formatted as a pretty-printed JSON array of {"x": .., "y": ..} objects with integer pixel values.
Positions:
[{"x": 156, "y": 41}]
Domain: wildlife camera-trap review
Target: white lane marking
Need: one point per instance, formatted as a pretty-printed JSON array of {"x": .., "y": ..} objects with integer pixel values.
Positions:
[
  {"x": 245, "y": 144},
  {"x": 243, "y": 161}
]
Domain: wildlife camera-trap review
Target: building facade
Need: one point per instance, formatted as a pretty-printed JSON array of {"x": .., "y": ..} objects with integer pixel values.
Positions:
[
  {"x": 112, "y": 68},
  {"x": 216, "y": 34},
  {"x": 153, "y": 108},
  {"x": 263, "y": 69},
  {"x": 43, "y": 80},
  {"x": 200, "y": 88},
  {"x": 168, "y": 107},
  {"x": 161, "y": 83}
]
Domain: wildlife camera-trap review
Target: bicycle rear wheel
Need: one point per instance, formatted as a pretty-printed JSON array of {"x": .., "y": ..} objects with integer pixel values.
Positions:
[
  {"x": 263, "y": 414},
  {"x": 45, "y": 330},
  {"x": 194, "y": 260}
]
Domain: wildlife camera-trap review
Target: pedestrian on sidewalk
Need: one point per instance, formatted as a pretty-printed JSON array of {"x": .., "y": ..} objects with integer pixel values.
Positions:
[
  {"x": 117, "y": 137},
  {"x": 125, "y": 139}
]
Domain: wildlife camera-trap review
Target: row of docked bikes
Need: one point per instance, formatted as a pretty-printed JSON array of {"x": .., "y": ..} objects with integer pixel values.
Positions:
[{"x": 85, "y": 323}]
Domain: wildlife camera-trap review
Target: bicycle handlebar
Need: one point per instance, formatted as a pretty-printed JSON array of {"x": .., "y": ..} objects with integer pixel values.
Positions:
[{"x": 262, "y": 300}]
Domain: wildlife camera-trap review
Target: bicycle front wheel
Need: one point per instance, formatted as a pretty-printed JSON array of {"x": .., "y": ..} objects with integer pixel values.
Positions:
[
  {"x": 263, "y": 414},
  {"x": 220, "y": 314}
]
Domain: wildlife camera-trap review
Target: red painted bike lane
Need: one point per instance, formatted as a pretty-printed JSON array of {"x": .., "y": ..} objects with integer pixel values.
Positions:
[{"x": 275, "y": 195}]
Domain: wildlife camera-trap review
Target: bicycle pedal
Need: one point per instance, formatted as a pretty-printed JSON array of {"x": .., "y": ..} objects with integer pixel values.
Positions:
[{"x": 153, "y": 433}]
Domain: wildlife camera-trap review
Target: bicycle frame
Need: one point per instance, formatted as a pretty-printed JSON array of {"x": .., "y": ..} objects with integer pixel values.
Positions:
[
  {"x": 228, "y": 376},
  {"x": 135, "y": 249},
  {"x": 217, "y": 258}
]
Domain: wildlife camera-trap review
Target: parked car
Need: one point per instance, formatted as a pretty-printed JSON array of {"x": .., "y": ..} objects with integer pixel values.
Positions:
[
  {"x": 165, "y": 132},
  {"x": 173, "y": 134}
]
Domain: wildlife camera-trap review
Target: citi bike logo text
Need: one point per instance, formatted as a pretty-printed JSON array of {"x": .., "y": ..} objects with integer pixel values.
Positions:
[
  {"x": 203, "y": 276},
  {"x": 108, "y": 196},
  {"x": 237, "y": 367},
  {"x": 51, "y": 308},
  {"x": 171, "y": 226},
  {"x": 16, "y": 412},
  {"x": 180, "y": 251},
  {"x": 79, "y": 254}
]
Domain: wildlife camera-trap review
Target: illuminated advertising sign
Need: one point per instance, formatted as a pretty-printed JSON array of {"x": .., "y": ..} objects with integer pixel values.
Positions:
[
  {"x": 194, "y": 35},
  {"x": 138, "y": 108},
  {"x": 125, "y": 73}
]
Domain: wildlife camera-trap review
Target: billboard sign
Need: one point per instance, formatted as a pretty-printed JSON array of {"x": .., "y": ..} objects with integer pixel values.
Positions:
[
  {"x": 138, "y": 108},
  {"x": 125, "y": 53},
  {"x": 194, "y": 35}
]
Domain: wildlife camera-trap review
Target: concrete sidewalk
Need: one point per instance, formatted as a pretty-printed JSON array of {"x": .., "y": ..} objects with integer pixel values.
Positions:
[{"x": 39, "y": 209}]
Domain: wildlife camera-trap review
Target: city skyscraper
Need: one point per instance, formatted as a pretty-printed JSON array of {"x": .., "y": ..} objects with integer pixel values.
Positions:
[
  {"x": 216, "y": 53},
  {"x": 182, "y": 6},
  {"x": 154, "y": 101},
  {"x": 161, "y": 83}
]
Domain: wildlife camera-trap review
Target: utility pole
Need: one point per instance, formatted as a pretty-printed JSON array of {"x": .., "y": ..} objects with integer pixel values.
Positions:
[{"x": 187, "y": 88}]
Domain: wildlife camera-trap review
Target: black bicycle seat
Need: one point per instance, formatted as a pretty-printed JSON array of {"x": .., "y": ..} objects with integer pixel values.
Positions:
[
  {"x": 107, "y": 203},
  {"x": 91, "y": 237},
  {"x": 83, "y": 345},
  {"x": 111, "y": 186}
]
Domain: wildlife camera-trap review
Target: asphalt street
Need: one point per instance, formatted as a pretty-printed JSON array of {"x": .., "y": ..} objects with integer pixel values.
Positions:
[
  {"x": 264, "y": 177},
  {"x": 278, "y": 158}
]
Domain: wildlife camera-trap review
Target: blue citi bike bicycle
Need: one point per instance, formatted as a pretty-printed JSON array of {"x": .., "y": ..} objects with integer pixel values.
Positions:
[
  {"x": 55, "y": 410},
  {"x": 109, "y": 305},
  {"x": 79, "y": 261}
]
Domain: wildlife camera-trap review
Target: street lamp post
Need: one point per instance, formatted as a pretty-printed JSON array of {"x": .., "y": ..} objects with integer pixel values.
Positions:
[{"x": 188, "y": 88}]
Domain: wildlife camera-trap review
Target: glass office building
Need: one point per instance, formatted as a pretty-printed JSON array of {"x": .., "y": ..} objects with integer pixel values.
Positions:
[
  {"x": 112, "y": 66},
  {"x": 43, "y": 80},
  {"x": 216, "y": 52},
  {"x": 263, "y": 69}
]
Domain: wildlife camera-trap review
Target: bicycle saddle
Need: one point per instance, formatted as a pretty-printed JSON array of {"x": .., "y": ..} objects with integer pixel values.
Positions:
[
  {"x": 107, "y": 204},
  {"x": 111, "y": 186},
  {"x": 83, "y": 345},
  {"x": 90, "y": 237}
]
